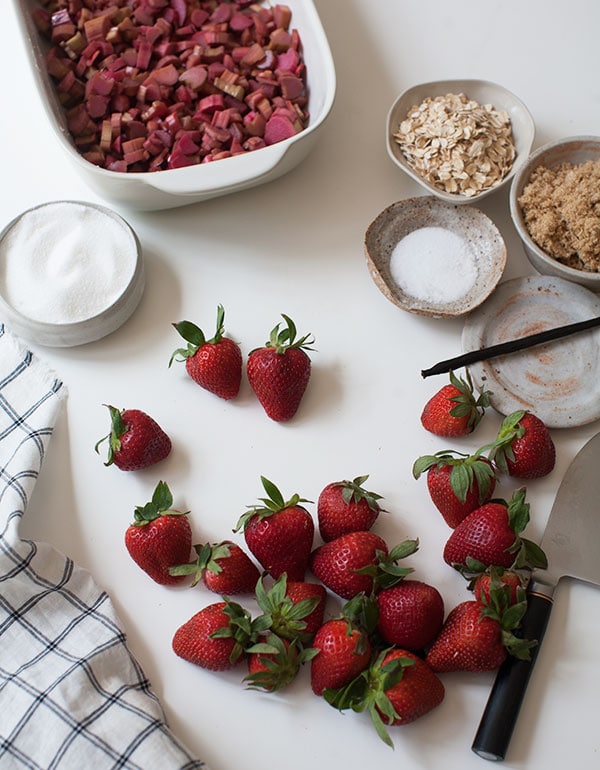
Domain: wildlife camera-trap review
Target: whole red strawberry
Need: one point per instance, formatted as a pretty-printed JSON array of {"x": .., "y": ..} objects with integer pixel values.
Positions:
[
  {"x": 411, "y": 614},
  {"x": 160, "y": 537},
  {"x": 491, "y": 535},
  {"x": 469, "y": 641},
  {"x": 215, "y": 364},
  {"x": 336, "y": 563},
  {"x": 457, "y": 483},
  {"x": 417, "y": 692},
  {"x": 359, "y": 562},
  {"x": 279, "y": 372},
  {"x": 223, "y": 567},
  {"x": 396, "y": 689},
  {"x": 524, "y": 447},
  {"x": 346, "y": 506},
  {"x": 279, "y": 533},
  {"x": 497, "y": 579},
  {"x": 343, "y": 652},
  {"x": 295, "y": 608},
  {"x": 273, "y": 662},
  {"x": 216, "y": 637},
  {"x": 454, "y": 410},
  {"x": 475, "y": 637},
  {"x": 135, "y": 441}
]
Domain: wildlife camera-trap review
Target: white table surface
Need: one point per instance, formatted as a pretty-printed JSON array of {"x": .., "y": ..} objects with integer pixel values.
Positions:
[{"x": 294, "y": 246}]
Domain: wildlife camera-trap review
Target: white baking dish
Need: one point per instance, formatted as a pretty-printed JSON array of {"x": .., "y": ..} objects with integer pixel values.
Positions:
[{"x": 178, "y": 187}]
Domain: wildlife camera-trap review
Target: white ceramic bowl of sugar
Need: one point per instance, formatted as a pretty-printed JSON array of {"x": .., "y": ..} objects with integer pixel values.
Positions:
[
  {"x": 70, "y": 273},
  {"x": 434, "y": 258}
]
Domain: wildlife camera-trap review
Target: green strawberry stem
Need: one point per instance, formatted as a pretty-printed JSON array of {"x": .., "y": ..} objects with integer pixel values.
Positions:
[
  {"x": 282, "y": 665},
  {"x": 362, "y": 612},
  {"x": 274, "y": 503},
  {"x": 285, "y": 617},
  {"x": 500, "y": 450},
  {"x": 466, "y": 469},
  {"x": 241, "y": 628},
  {"x": 196, "y": 338},
  {"x": 160, "y": 505},
  {"x": 117, "y": 429},
  {"x": 208, "y": 555},
  {"x": 285, "y": 339},
  {"x": 367, "y": 692},
  {"x": 466, "y": 403},
  {"x": 509, "y": 616},
  {"x": 353, "y": 491},
  {"x": 528, "y": 555},
  {"x": 386, "y": 571}
]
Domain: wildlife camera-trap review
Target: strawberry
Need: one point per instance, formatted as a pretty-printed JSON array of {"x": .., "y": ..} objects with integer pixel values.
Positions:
[
  {"x": 397, "y": 689},
  {"x": 498, "y": 579},
  {"x": 160, "y": 537},
  {"x": 273, "y": 663},
  {"x": 215, "y": 364},
  {"x": 491, "y": 535},
  {"x": 279, "y": 533},
  {"x": 343, "y": 652},
  {"x": 346, "y": 506},
  {"x": 523, "y": 447},
  {"x": 216, "y": 637},
  {"x": 295, "y": 608},
  {"x": 359, "y": 562},
  {"x": 135, "y": 441},
  {"x": 279, "y": 372},
  {"x": 475, "y": 637},
  {"x": 454, "y": 410},
  {"x": 458, "y": 483},
  {"x": 411, "y": 614},
  {"x": 223, "y": 567}
]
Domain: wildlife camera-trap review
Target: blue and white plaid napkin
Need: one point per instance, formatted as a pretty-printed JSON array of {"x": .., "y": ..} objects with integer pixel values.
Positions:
[{"x": 71, "y": 693}]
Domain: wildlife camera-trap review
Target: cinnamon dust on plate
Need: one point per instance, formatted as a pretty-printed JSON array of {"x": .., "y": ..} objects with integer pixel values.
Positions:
[{"x": 561, "y": 209}]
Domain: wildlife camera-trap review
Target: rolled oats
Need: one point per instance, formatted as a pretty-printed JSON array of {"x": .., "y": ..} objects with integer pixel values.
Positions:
[{"x": 457, "y": 144}]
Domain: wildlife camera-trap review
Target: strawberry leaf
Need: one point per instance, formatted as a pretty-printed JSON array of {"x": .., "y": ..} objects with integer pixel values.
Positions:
[
  {"x": 353, "y": 491},
  {"x": 518, "y": 511},
  {"x": 160, "y": 505}
]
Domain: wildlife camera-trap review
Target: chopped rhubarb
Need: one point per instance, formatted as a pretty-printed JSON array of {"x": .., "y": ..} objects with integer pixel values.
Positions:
[
  {"x": 148, "y": 85},
  {"x": 278, "y": 128}
]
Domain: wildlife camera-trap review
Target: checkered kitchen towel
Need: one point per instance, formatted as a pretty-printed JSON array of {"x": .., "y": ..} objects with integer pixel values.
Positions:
[{"x": 71, "y": 694}]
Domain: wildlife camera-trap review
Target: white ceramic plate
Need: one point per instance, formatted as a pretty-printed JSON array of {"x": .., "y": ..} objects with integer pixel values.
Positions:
[{"x": 558, "y": 381}]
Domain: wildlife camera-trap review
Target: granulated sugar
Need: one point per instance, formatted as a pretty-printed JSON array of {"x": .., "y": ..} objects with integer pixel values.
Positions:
[
  {"x": 65, "y": 262},
  {"x": 434, "y": 264}
]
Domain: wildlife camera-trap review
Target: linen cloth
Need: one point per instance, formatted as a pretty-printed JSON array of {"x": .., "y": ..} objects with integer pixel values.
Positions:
[{"x": 71, "y": 693}]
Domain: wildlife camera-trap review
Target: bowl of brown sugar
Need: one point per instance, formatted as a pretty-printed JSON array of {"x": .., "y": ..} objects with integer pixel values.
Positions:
[{"x": 555, "y": 208}]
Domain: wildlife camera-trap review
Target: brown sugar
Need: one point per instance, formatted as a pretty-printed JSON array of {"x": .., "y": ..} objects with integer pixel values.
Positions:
[{"x": 561, "y": 209}]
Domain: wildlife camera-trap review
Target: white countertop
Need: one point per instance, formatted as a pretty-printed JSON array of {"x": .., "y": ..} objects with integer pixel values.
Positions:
[{"x": 294, "y": 246}]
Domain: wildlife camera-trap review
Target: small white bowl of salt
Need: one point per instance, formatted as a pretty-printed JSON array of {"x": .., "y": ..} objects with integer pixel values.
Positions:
[
  {"x": 434, "y": 258},
  {"x": 70, "y": 273}
]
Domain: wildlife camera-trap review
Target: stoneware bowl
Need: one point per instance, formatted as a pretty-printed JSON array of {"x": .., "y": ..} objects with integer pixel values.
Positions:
[
  {"x": 574, "y": 150},
  {"x": 192, "y": 184},
  {"x": 481, "y": 241},
  {"x": 482, "y": 91},
  {"x": 67, "y": 276}
]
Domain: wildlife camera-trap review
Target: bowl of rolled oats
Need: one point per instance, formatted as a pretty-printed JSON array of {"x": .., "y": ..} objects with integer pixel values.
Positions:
[
  {"x": 555, "y": 208},
  {"x": 460, "y": 139}
]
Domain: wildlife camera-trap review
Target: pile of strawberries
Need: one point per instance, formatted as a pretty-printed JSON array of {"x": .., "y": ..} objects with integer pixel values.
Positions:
[{"x": 384, "y": 649}]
